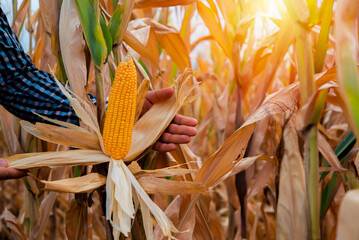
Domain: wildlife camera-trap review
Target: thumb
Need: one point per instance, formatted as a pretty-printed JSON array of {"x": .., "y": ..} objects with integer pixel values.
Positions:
[
  {"x": 159, "y": 95},
  {"x": 3, "y": 163}
]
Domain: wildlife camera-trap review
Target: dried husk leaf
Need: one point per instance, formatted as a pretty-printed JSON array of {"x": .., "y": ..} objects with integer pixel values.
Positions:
[
  {"x": 84, "y": 111},
  {"x": 152, "y": 124},
  {"x": 292, "y": 203},
  {"x": 63, "y": 136},
  {"x": 61, "y": 123},
  {"x": 86, "y": 183},
  {"x": 141, "y": 96},
  {"x": 119, "y": 204},
  {"x": 53, "y": 159},
  {"x": 348, "y": 212}
]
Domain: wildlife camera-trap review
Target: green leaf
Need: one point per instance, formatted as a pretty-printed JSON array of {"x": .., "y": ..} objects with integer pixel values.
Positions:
[
  {"x": 92, "y": 31},
  {"x": 115, "y": 24},
  {"x": 351, "y": 83},
  {"x": 322, "y": 44},
  {"x": 114, "y": 4},
  {"x": 328, "y": 195},
  {"x": 107, "y": 36},
  {"x": 119, "y": 21},
  {"x": 343, "y": 149},
  {"x": 313, "y": 12}
]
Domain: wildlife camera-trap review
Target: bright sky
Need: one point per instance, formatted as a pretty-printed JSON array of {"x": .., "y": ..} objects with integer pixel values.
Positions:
[
  {"x": 262, "y": 27},
  {"x": 6, "y": 6}
]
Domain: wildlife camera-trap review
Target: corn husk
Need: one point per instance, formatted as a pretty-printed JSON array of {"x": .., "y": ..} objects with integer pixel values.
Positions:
[
  {"x": 82, "y": 184},
  {"x": 123, "y": 189}
]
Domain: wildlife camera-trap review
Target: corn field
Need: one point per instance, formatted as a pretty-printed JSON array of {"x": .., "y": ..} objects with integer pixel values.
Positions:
[{"x": 273, "y": 84}]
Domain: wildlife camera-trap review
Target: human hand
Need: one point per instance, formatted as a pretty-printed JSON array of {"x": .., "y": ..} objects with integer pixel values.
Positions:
[
  {"x": 179, "y": 131},
  {"x": 10, "y": 173}
]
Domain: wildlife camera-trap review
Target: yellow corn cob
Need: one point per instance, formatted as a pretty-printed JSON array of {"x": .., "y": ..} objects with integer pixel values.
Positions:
[{"x": 121, "y": 111}]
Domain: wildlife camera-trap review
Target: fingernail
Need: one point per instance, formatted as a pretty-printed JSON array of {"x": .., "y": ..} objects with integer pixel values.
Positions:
[{"x": 3, "y": 162}]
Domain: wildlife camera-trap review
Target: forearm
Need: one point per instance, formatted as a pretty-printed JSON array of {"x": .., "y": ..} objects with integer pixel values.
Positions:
[{"x": 24, "y": 89}]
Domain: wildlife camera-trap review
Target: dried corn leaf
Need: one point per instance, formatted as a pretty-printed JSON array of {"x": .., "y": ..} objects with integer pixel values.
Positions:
[
  {"x": 231, "y": 152},
  {"x": 52, "y": 159},
  {"x": 146, "y": 219},
  {"x": 328, "y": 153},
  {"x": 63, "y": 136},
  {"x": 162, "y": 172},
  {"x": 292, "y": 202},
  {"x": 16, "y": 230},
  {"x": 134, "y": 43},
  {"x": 153, "y": 185},
  {"x": 165, "y": 224},
  {"x": 8, "y": 129},
  {"x": 284, "y": 39},
  {"x": 73, "y": 46},
  {"x": 214, "y": 26},
  {"x": 76, "y": 220},
  {"x": 161, "y": 3},
  {"x": 45, "y": 210},
  {"x": 247, "y": 162},
  {"x": 169, "y": 38},
  {"x": 17, "y": 23},
  {"x": 84, "y": 111},
  {"x": 82, "y": 184},
  {"x": 233, "y": 149}
]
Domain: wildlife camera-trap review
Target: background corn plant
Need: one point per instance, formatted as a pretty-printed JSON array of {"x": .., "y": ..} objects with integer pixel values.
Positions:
[{"x": 277, "y": 113}]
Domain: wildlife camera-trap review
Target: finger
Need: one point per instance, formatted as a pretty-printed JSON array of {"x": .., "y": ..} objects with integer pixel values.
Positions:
[
  {"x": 159, "y": 95},
  {"x": 182, "y": 120},
  {"x": 164, "y": 147},
  {"x": 175, "y": 138},
  {"x": 11, "y": 173},
  {"x": 181, "y": 129},
  {"x": 146, "y": 106}
]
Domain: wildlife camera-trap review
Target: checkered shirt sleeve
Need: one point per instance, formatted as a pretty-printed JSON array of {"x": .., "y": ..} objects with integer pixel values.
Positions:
[{"x": 24, "y": 89}]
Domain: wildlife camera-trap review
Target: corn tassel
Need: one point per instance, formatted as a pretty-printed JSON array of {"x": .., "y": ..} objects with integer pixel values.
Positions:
[{"x": 121, "y": 110}]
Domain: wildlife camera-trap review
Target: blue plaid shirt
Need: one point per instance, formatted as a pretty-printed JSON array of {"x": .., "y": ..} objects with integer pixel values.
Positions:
[{"x": 24, "y": 89}]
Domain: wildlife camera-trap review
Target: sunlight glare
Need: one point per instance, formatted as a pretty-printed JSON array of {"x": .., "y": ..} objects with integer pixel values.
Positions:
[{"x": 263, "y": 26}]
